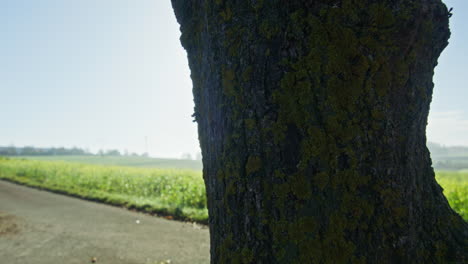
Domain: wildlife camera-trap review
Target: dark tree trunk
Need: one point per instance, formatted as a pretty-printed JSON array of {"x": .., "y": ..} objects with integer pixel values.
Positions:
[{"x": 312, "y": 118}]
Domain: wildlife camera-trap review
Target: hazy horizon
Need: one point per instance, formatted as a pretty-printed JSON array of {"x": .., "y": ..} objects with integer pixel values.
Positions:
[
  {"x": 111, "y": 74},
  {"x": 192, "y": 156}
]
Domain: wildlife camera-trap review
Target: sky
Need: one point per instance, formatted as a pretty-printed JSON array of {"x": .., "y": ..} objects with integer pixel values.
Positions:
[
  {"x": 111, "y": 74},
  {"x": 448, "y": 117}
]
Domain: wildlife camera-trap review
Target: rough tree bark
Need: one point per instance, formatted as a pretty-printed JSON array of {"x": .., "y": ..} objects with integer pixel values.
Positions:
[{"x": 312, "y": 118}]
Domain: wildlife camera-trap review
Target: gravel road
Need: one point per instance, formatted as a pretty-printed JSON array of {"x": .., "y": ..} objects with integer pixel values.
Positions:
[{"x": 39, "y": 227}]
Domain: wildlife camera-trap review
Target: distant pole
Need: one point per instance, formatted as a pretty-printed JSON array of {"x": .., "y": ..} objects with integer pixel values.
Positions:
[{"x": 146, "y": 145}]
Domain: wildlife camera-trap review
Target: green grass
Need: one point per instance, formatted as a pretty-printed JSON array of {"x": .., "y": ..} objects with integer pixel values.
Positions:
[
  {"x": 176, "y": 192},
  {"x": 127, "y": 161},
  {"x": 455, "y": 185},
  {"x": 179, "y": 193}
]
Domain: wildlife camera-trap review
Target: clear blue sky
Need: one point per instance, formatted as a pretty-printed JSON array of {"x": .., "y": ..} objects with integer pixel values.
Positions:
[{"x": 108, "y": 73}]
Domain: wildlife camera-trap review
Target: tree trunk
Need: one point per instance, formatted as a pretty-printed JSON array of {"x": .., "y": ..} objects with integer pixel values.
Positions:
[{"x": 311, "y": 119}]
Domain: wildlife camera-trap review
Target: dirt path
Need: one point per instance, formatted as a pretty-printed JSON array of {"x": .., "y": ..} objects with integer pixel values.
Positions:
[{"x": 38, "y": 227}]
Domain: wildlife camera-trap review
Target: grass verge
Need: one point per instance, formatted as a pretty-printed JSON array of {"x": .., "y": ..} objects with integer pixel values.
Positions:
[{"x": 168, "y": 192}]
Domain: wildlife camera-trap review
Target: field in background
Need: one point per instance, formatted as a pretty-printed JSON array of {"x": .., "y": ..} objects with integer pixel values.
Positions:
[
  {"x": 179, "y": 193},
  {"x": 441, "y": 160},
  {"x": 127, "y": 161}
]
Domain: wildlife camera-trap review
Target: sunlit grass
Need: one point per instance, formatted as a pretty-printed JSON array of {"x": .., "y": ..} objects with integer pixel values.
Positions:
[
  {"x": 455, "y": 185},
  {"x": 175, "y": 192}
]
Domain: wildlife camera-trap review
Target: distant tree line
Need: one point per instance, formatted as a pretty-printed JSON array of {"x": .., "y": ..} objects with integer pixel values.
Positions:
[
  {"x": 438, "y": 150},
  {"x": 34, "y": 151},
  {"x": 61, "y": 151},
  {"x": 448, "y": 157}
]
